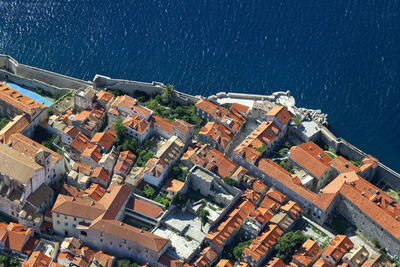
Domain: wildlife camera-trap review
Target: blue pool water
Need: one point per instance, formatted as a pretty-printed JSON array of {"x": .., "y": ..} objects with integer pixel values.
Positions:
[
  {"x": 339, "y": 56},
  {"x": 30, "y": 94}
]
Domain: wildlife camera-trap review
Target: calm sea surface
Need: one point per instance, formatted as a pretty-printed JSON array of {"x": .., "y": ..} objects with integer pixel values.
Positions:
[{"x": 342, "y": 56}]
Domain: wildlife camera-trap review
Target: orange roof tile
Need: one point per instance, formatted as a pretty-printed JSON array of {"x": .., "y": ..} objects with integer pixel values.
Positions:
[
  {"x": 275, "y": 262},
  {"x": 224, "y": 263},
  {"x": 311, "y": 157},
  {"x": 338, "y": 247},
  {"x": 101, "y": 173},
  {"x": 82, "y": 168},
  {"x": 71, "y": 131},
  {"x": 281, "y": 113},
  {"x": 307, "y": 253},
  {"x": 37, "y": 259},
  {"x": 30, "y": 148},
  {"x": 131, "y": 105},
  {"x": 343, "y": 165},
  {"x": 276, "y": 195},
  {"x": 258, "y": 186},
  {"x": 173, "y": 185},
  {"x": 212, "y": 109},
  {"x": 263, "y": 243},
  {"x": 124, "y": 162},
  {"x": 19, "y": 100},
  {"x": 162, "y": 124},
  {"x": 155, "y": 167},
  {"x": 293, "y": 209},
  {"x": 223, "y": 166},
  {"x": 217, "y": 132},
  {"x": 104, "y": 96},
  {"x": 182, "y": 126},
  {"x": 322, "y": 263},
  {"x": 95, "y": 192},
  {"x": 80, "y": 143},
  {"x": 16, "y": 125},
  {"x": 144, "y": 207},
  {"x": 93, "y": 152},
  {"x": 136, "y": 123},
  {"x": 15, "y": 237},
  {"x": 270, "y": 204},
  {"x": 240, "y": 108},
  {"x": 265, "y": 133},
  {"x": 124, "y": 231},
  {"x": 104, "y": 139}
]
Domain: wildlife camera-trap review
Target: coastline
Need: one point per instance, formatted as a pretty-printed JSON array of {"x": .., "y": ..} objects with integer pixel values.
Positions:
[{"x": 33, "y": 78}]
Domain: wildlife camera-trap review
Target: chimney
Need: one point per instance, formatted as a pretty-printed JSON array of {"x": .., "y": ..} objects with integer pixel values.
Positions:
[
  {"x": 319, "y": 155},
  {"x": 346, "y": 164}
]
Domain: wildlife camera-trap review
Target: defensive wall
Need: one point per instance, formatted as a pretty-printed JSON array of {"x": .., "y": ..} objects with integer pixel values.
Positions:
[{"x": 31, "y": 77}]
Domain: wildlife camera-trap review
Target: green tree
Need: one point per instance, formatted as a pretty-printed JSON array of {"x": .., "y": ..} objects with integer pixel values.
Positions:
[
  {"x": 168, "y": 94},
  {"x": 204, "y": 217},
  {"x": 238, "y": 250},
  {"x": 14, "y": 262},
  {"x": 262, "y": 149},
  {"x": 149, "y": 191},
  {"x": 288, "y": 244},
  {"x": 119, "y": 128},
  {"x": 229, "y": 181},
  {"x": 4, "y": 122},
  {"x": 3, "y": 259},
  {"x": 178, "y": 200}
]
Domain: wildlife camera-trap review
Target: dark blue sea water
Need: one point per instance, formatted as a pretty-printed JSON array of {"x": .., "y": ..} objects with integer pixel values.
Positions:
[{"x": 340, "y": 56}]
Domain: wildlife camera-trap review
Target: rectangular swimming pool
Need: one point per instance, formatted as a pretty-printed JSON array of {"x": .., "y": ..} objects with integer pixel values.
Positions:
[{"x": 31, "y": 94}]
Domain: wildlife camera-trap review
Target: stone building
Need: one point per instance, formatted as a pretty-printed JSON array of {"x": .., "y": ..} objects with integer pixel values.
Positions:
[{"x": 83, "y": 99}]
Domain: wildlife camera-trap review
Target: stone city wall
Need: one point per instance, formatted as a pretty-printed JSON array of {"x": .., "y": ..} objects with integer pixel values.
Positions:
[{"x": 33, "y": 78}]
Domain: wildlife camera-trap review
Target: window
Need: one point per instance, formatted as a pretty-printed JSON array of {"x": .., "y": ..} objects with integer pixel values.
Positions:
[
  {"x": 101, "y": 239},
  {"x": 74, "y": 226},
  {"x": 110, "y": 243},
  {"x": 85, "y": 234},
  {"x": 58, "y": 215},
  {"x": 58, "y": 222},
  {"x": 75, "y": 219},
  {"x": 66, "y": 224}
]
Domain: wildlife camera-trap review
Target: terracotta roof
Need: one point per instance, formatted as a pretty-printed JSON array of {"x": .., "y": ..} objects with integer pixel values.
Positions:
[
  {"x": 124, "y": 162},
  {"x": 254, "y": 196},
  {"x": 37, "y": 259},
  {"x": 293, "y": 209},
  {"x": 240, "y": 108},
  {"x": 155, "y": 167},
  {"x": 136, "y": 123},
  {"x": 15, "y": 237},
  {"x": 259, "y": 186},
  {"x": 104, "y": 96},
  {"x": 104, "y": 259},
  {"x": 212, "y": 109},
  {"x": 82, "y": 116},
  {"x": 144, "y": 207},
  {"x": 30, "y": 148},
  {"x": 71, "y": 191},
  {"x": 322, "y": 263},
  {"x": 131, "y": 105},
  {"x": 82, "y": 168},
  {"x": 276, "y": 195},
  {"x": 104, "y": 139},
  {"x": 80, "y": 143},
  {"x": 343, "y": 165},
  {"x": 182, "y": 126},
  {"x": 217, "y": 132},
  {"x": 124, "y": 231},
  {"x": 102, "y": 174},
  {"x": 275, "y": 262},
  {"x": 281, "y": 114},
  {"x": 307, "y": 253},
  {"x": 19, "y": 100},
  {"x": 231, "y": 223},
  {"x": 270, "y": 204},
  {"x": 77, "y": 207},
  {"x": 161, "y": 123},
  {"x": 265, "y": 133},
  {"x": 263, "y": 243},
  {"x": 71, "y": 131},
  {"x": 93, "y": 152},
  {"x": 209, "y": 254},
  {"x": 95, "y": 192},
  {"x": 338, "y": 247},
  {"x": 168, "y": 261},
  {"x": 224, "y": 167},
  {"x": 311, "y": 157},
  {"x": 16, "y": 125},
  {"x": 173, "y": 185},
  {"x": 261, "y": 215},
  {"x": 224, "y": 263}
]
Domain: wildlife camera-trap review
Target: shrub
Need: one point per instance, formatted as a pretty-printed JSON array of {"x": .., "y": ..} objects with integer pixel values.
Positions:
[
  {"x": 238, "y": 250},
  {"x": 229, "y": 181},
  {"x": 149, "y": 191},
  {"x": 288, "y": 244}
]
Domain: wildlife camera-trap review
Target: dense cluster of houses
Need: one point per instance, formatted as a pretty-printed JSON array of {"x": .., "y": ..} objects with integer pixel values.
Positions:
[{"x": 91, "y": 192}]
